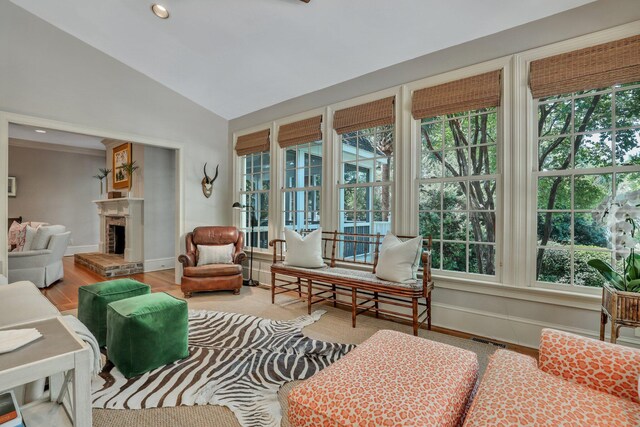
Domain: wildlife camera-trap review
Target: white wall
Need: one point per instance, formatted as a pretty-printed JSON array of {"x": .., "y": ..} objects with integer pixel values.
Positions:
[
  {"x": 46, "y": 73},
  {"x": 57, "y": 187},
  {"x": 159, "y": 207}
]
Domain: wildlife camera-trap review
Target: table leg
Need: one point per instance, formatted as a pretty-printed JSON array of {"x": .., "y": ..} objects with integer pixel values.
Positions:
[
  {"x": 82, "y": 389},
  {"x": 603, "y": 323},
  {"x": 55, "y": 385}
]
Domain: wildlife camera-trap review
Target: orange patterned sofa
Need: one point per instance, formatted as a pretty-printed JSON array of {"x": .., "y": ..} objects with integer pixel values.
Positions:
[
  {"x": 392, "y": 379},
  {"x": 577, "y": 382}
]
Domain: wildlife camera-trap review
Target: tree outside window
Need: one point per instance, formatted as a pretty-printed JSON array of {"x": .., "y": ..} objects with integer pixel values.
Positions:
[{"x": 457, "y": 190}]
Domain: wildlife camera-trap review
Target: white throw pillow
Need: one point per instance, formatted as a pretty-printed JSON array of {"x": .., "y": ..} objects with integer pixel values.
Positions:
[
  {"x": 304, "y": 251},
  {"x": 398, "y": 260},
  {"x": 28, "y": 240},
  {"x": 215, "y": 254},
  {"x": 43, "y": 235}
]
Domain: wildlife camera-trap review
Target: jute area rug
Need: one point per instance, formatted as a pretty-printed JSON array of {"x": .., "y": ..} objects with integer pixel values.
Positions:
[{"x": 335, "y": 326}]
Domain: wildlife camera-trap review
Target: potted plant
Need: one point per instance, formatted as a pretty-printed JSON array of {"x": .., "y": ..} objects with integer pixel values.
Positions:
[
  {"x": 102, "y": 174},
  {"x": 621, "y": 290},
  {"x": 129, "y": 168}
]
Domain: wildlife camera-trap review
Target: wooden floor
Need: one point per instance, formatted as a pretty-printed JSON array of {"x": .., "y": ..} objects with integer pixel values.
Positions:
[{"x": 64, "y": 294}]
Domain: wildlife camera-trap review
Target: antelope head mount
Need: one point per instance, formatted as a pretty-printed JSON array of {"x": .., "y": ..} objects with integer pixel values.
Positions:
[{"x": 207, "y": 183}]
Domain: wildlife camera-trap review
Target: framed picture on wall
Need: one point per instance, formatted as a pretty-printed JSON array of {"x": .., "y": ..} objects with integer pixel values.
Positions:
[
  {"x": 121, "y": 155},
  {"x": 12, "y": 188}
]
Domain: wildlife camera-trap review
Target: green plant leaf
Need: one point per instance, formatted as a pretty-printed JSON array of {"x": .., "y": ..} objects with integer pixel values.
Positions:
[
  {"x": 633, "y": 270},
  {"x": 608, "y": 273},
  {"x": 633, "y": 285}
]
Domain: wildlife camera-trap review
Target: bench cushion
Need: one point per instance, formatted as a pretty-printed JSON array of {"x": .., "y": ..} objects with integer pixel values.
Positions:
[
  {"x": 392, "y": 379},
  {"x": 366, "y": 277},
  {"x": 514, "y": 392}
]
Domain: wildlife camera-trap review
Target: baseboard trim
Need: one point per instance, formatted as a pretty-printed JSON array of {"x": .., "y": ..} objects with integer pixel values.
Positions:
[
  {"x": 72, "y": 250},
  {"x": 159, "y": 264}
]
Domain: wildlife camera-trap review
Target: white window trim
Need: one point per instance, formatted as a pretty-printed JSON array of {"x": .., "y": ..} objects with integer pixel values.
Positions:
[{"x": 525, "y": 113}]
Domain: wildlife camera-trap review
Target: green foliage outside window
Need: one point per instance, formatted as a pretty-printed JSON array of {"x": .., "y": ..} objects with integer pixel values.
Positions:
[{"x": 588, "y": 149}]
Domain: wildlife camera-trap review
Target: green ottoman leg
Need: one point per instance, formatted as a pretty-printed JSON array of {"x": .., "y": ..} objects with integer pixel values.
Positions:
[
  {"x": 146, "y": 332},
  {"x": 93, "y": 301}
]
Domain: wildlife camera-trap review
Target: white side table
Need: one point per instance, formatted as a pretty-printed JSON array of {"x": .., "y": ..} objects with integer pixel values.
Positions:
[{"x": 59, "y": 350}]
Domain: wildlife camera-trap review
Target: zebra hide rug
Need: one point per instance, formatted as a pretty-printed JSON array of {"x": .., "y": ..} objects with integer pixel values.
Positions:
[{"x": 235, "y": 360}]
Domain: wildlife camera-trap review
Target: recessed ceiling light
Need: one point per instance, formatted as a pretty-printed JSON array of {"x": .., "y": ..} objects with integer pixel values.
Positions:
[
  {"x": 160, "y": 11},
  {"x": 41, "y": 131}
]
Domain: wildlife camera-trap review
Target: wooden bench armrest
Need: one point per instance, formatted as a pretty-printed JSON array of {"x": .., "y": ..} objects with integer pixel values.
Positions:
[{"x": 275, "y": 243}]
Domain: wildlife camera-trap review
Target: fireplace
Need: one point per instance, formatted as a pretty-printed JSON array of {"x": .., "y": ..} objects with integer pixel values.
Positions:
[
  {"x": 121, "y": 228},
  {"x": 115, "y": 234}
]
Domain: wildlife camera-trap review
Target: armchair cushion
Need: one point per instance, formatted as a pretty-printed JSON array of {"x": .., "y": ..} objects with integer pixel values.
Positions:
[
  {"x": 213, "y": 270},
  {"x": 29, "y": 236},
  {"x": 602, "y": 366},
  {"x": 215, "y": 254},
  {"x": 514, "y": 392},
  {"x": 43, "y": 235}
]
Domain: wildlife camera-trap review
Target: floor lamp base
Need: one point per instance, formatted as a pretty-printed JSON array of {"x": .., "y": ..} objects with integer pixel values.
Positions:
[{"x": 250, "y": 282}]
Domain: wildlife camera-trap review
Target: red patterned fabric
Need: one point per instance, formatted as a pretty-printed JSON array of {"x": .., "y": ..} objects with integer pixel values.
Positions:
[
  {"x": 17, "y": 235},
  {"x": 603, "y": 366},
  {"x": 514, "y": 392},
  {"x": 392, "y": 379}
]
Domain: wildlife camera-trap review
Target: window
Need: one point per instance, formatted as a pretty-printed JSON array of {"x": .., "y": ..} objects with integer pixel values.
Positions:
[
  {"x": 254, "y": 193},
  {"x": 366, "y": 166},
  {"x": 588, "y": 148},
  {"x": 457, "y": 189},
  {"x": 303, "y": 180}
]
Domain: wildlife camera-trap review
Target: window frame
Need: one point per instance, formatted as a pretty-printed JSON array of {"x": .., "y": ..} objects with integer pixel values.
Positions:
[
  {"x": 244, "y": 193},
  {"x": 572, "y": 173},
  {"x": 443, "y": 180},
  {"x": 305, "y": 189},
  {"x": 372, "y": 185}
]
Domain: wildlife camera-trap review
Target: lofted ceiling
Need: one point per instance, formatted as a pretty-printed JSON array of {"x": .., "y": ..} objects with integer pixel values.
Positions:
[{"x": 234, "y": 57}]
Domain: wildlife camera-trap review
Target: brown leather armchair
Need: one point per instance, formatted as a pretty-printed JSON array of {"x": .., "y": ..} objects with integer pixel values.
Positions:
[{"x": 212, "y": 277}]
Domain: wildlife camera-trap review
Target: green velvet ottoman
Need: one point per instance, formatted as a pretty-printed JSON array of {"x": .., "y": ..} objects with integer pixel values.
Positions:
[
  {"x": 146, "y": 332},
  {"x": 93, "y": 301}
]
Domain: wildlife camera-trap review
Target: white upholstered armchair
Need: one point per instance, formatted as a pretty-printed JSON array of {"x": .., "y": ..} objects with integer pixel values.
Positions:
[{"x": 40, "y": 266}]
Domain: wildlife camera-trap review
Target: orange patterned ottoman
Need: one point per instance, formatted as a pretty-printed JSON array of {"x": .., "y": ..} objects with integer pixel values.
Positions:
[{"x": 392, "y": 379}]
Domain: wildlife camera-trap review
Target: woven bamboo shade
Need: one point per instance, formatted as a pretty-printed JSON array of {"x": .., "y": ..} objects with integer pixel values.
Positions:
[
  {"x": 252, "y": 143},
  {"x": 471, "y": 93},
  {"x": 594, "y": 67},
  {"x": 364, "y": 116},
  {"x": 307, "y": 130}
]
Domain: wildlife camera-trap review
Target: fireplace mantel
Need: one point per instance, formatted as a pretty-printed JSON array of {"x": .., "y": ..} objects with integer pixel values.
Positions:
[{"x": 131, "y": 209}]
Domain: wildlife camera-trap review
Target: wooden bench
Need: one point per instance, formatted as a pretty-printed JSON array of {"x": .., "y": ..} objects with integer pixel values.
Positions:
[{"x": 350, "y": 273}]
